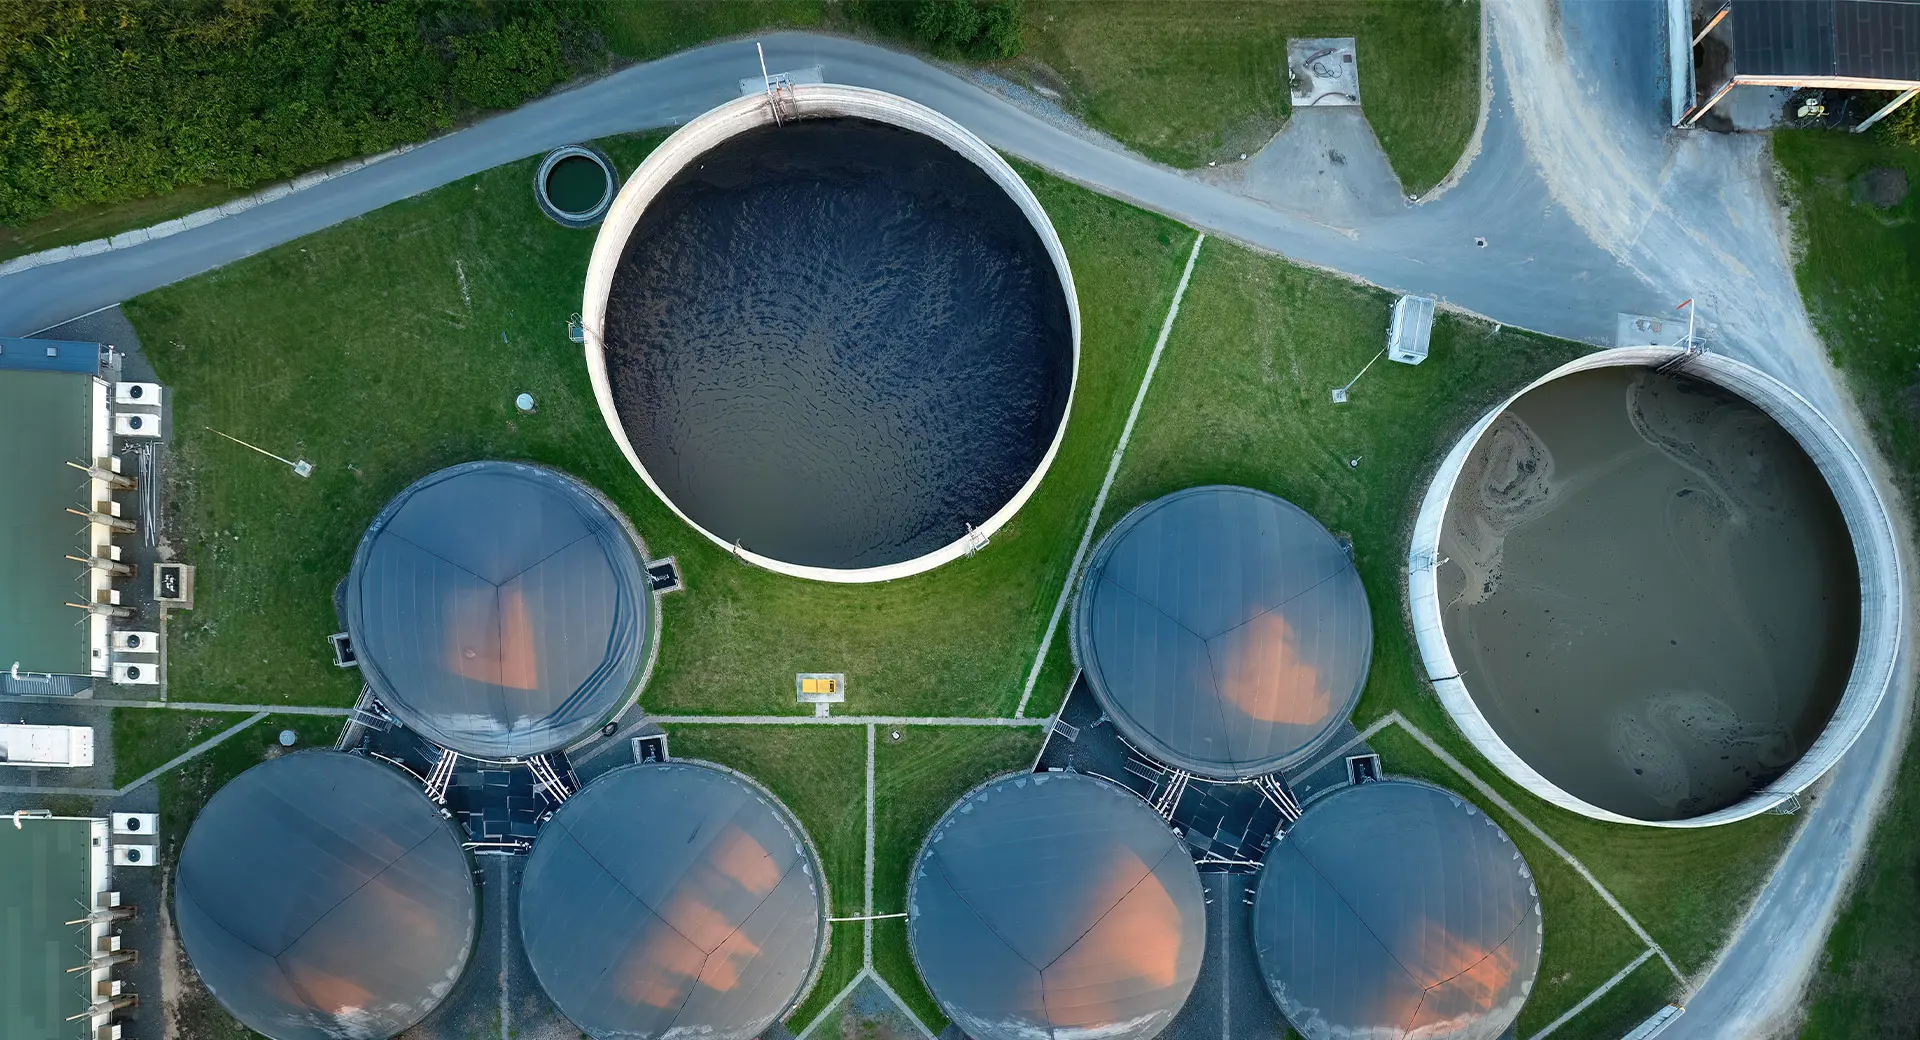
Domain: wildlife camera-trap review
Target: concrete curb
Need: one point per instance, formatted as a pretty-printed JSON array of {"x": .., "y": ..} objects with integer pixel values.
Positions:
[
  {"x": 1882, "y": 585},
  {"x": 198, "y": 218}
]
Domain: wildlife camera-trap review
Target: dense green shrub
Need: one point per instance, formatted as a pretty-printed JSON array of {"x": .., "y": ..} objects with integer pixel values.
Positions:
[
  {"x": 502, "y": 67},
  {"x": 111, "y": 100},
  {"x": 979, "y": 29}
]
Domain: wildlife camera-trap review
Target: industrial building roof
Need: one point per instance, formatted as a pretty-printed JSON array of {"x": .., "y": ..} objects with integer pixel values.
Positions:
[
  {"x": 1858, "y": 39},
  {"x": 1056, "y": 905},
  {"x": 47, "y": 864},
  {"x": 499, "y": 609},
  {"x": 1393, "y": 910},
  {"x": 46, "y": 421},
  {"x": 1224, "y": 631},
  {"x": 321, "y": 895},
  {"x": 672, "y": 900}
]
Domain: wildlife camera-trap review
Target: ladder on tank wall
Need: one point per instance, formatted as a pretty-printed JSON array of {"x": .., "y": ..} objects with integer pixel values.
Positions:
[
  {"x": 779, "y": 91},
  {"x": 1281, "y": 796},
  {"x": 441, "y": 775},
  {"x": 546, "y": 779}
]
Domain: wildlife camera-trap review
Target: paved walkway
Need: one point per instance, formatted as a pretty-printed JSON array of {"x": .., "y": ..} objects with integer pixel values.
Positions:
[{"x": 1586, "y": 204}]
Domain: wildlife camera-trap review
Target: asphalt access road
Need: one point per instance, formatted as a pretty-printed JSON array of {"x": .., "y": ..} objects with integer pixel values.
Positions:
[{"x": 1587, "y": 205}]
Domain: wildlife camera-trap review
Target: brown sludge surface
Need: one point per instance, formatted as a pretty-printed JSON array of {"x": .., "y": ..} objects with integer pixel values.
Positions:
[{"x": 1650, "y": 591}]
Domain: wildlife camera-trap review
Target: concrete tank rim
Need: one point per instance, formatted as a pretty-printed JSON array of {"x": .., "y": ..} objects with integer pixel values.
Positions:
[
  {"x": 816, "y": 100},
  {"x": 1869, "y": 528}
]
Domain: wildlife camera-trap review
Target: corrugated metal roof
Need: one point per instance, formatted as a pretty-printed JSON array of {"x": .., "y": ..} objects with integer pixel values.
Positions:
[
  {"x": 1224, "y": 630},
  {"x": 1864, "y": 39},
  {"x": 48, "y": 882},
  {"x": 321, "y": 895},
  {"x": 1393, "y": 910},
  {"x": 1056, "y": 905},
  {"x": 499, "y": 609},
  {"x": 672, "y": 900},
  {"x": 46, "y": 421},
  {"x": 49, "y": 355}
]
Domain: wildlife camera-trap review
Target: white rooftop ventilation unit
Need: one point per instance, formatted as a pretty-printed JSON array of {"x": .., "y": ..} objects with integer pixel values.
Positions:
[
  {"x": 134, "y": 856},
  {"x": 138, "y": 394},
  {"x": 127, "y": 673},
  {"x": 140, "y": 823},
  {"x": 136, "y": 424},
  {"x": 136, "y": 642}
]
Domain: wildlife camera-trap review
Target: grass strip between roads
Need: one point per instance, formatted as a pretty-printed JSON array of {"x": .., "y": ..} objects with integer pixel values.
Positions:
[{"x": 1859, "y": 273}]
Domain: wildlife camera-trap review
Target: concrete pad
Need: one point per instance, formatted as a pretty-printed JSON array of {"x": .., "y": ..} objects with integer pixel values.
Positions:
[
  {"x": 128, "y": 238},
  {"x": 308, "y": 180},
  {"x": 1757, "y": 108},
  {"x": 1324, "y": 73},
  {"x": 199, "y": 218},
  {"x": 278, "y": 191},
  {"x": 228, "y": 209},
  {"x": 93, "y": 248},
  {"x": 1327, "y": 165}
]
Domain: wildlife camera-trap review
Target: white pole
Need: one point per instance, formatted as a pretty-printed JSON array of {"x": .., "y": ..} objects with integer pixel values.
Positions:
[{"x": 762, "y": 51}]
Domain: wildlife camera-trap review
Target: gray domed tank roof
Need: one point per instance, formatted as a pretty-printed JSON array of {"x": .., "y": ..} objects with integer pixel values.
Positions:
[
  {"x": 321, "y": 896},
  {"x": 499, "y": 609},
  {"x": 1056, "y": 906},
  {"x": 1393, "y": 910},
  {"x": 1223, "y": 630},
  {"x": 673, "y": 900}
]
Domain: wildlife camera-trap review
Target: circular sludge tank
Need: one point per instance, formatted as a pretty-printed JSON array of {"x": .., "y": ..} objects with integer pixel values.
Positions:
[
  {"x": 677, "y": 899},
  {"x": 841, "y": 345},
  {"x": 1397, "y": 910},
  {"x": 1056, "y": 906},
  {"x": 322, "y": 896},
  {"x": 500, "y": 609},
  {"x": 1223, "y": 630},
  {"x": 1663, "y": 597}
]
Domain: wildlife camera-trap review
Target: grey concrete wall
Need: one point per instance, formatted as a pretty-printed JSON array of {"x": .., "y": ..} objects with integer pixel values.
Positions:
[
  {"x": 1882, "y": 597},
  {"x": 746, "y": 113}
]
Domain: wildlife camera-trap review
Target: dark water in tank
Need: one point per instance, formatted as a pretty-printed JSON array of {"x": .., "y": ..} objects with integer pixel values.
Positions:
[
  {"x": 838, "y": 343},
  {"x": 1650, "y": 590},
  {"x": 576, "y": 184}
]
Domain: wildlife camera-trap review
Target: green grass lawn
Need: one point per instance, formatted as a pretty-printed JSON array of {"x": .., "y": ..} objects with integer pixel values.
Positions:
[
  {"x": 392, "y": 345},
  {"x": 916, "y": 779},
  {"x": 821, "y": 774},
  {"x": 1188, "y": 82},
  {"x": 1859, "y": 273}
]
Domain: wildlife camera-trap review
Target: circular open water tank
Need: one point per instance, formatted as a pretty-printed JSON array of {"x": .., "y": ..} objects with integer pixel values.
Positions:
[
  {"x": 1670, "y": 598},
  {"x": 839, "y": 340}
]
